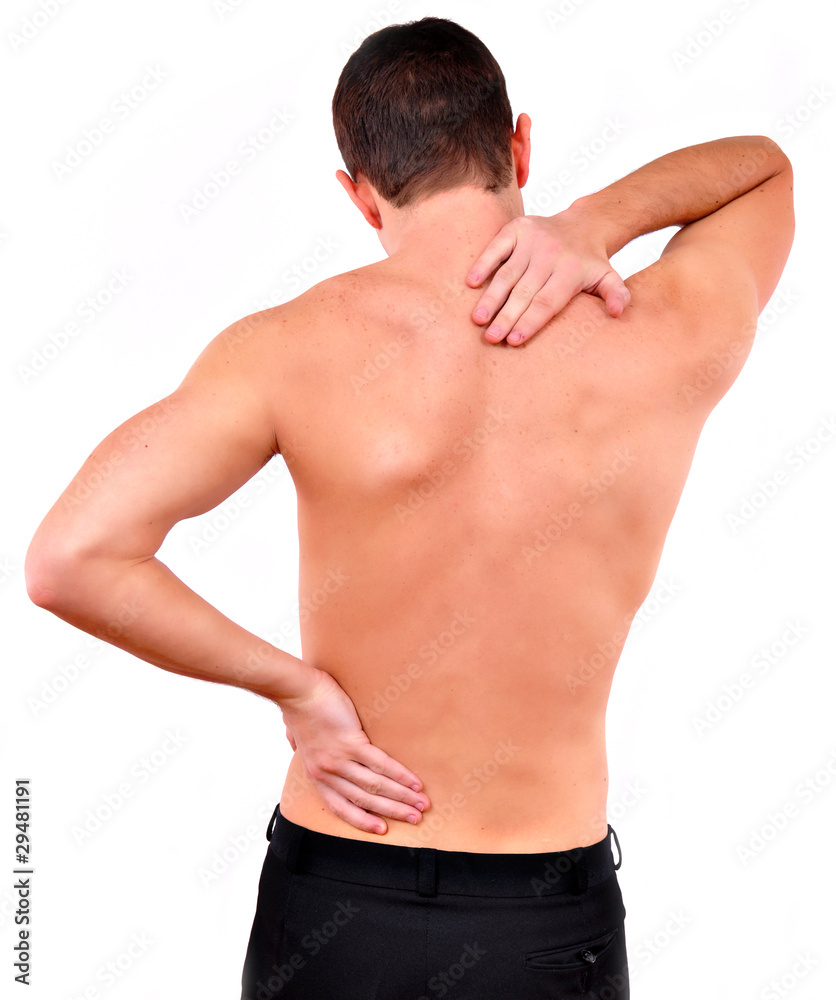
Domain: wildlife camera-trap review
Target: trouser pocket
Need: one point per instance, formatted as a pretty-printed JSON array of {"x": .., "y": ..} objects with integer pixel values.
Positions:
[{"x": 582, "y": 969}]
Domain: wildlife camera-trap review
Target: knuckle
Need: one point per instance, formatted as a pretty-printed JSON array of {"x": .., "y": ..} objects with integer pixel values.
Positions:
[
  {"x": 577, "y": 274},
  {"x": 544, "y": 301},
  {"x": 320, "y": 768},
  {"x": 340, "y": 813},
  {"x": 316, "y": 772}
]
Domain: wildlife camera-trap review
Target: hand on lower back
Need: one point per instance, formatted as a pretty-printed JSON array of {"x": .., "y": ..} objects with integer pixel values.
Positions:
[{"x": 359, "y": 782}]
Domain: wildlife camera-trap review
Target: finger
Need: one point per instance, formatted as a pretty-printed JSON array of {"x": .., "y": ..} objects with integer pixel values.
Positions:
[
  {"x": 375, "y": 783},
  {"x": 525, "y": 313},
  {"x": 499, "y": 249},
  {"x": 496, "y": 294},
  {"x": 379, "y": 761},
  {"x": 379, "y": 804},
  {"x": 518, "y": 297},
  {"x": 614, "y": 292},
  {"x": 352, "y": 814}
]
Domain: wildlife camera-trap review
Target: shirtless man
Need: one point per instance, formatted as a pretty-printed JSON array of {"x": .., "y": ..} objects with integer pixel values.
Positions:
[{"x": 488, "y": 519}]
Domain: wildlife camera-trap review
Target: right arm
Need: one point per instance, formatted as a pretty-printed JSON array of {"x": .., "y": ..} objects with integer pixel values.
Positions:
[{"x": 732, "y": 196}]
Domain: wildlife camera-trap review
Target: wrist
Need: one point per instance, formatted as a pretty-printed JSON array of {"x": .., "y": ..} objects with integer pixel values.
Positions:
[
  {"x": 287, "y": 681},
  {"x": 306, "y": 683},
  {"x": 589, "y": 217}
]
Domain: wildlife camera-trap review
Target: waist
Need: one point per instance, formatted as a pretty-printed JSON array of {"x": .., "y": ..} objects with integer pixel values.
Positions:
[
  {"x": 498, "y": 813},
  {"x": 432, "y": 871}
]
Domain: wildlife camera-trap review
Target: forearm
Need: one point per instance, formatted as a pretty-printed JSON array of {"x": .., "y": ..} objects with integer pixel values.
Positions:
[
  {"x": 678, "y": 188},
  {"x": 145, "y": 609}
]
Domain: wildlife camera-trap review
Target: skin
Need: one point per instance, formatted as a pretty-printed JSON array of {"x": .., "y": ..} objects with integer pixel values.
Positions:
[{"x": 478, "y": 523}]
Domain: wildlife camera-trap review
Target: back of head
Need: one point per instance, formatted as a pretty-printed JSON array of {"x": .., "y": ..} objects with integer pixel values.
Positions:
[{"x": 421, "y": 108}]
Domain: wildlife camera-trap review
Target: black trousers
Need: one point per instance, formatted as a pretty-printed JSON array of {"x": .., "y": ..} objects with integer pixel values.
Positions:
[{"x": 343, "y": 919}]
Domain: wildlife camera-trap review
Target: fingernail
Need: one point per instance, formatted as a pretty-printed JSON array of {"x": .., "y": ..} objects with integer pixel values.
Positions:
[
  {"x": 493, "y": 331},
  {"x": 481, "y": 315},
  {"x": 419, "y": 806},
  {"x": 412, "y": 818},
  {"x": 514, "y": 337},
  {"x": 415, "y": 788},
  {"x": 473, "y": 277}
]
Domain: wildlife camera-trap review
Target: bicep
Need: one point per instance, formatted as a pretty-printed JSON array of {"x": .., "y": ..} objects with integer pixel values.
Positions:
[
  {"x": 749, "y": 239},
  {"x": 709, "y": 286},
  {"x": 174, "y": 460}
]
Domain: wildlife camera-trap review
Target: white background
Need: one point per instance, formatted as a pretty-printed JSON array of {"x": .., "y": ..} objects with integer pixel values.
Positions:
[{"x": 703, "y": 920}]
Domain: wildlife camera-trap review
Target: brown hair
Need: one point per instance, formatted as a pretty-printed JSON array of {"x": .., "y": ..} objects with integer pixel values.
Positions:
[{"x": 422, "y": 107}]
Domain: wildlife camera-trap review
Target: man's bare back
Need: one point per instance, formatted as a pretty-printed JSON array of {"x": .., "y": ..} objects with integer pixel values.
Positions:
[
  {"x": 478, "y": 523},
  {"x": 483, "y": 520},
  {"x": 489, "y": 519}
]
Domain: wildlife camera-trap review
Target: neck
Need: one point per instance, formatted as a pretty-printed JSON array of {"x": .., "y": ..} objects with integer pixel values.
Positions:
[{"x": 448, "y": 230}]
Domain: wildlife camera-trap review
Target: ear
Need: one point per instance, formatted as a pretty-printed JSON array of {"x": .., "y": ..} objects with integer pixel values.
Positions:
[
  {"x": 521, "y": 148},
  {"x": 362, "y": 195}
]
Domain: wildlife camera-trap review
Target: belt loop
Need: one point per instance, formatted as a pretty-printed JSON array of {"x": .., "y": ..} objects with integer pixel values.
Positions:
[
  {"x": 272, "y": 824},
  {"x": 295, "y": 836},
  {"x": 615, "y": 835},
  {"x": 427, "y": 873},
  {"x": 581, "y": 877}
]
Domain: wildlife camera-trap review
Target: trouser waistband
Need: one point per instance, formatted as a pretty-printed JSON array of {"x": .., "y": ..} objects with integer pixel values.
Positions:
[{"x": 430, "y": 871}]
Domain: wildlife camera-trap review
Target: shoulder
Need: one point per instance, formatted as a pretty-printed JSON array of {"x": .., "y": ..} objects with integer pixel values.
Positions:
[
  {"x": 301, "y": 345},
  {"x": 699, "y": 309},
  {"x": 257, "y": 335}
]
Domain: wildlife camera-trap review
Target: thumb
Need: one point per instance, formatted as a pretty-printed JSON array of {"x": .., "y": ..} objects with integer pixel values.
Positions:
[{"x": 614, "y": 293}]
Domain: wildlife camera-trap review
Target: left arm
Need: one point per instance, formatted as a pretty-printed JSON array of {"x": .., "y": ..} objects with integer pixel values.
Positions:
[{"x": 92, "y": 562}]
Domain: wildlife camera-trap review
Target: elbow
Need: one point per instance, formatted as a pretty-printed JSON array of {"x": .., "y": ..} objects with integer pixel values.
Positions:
[
  {"x": 780, "y": 158},
  {"x": 39, "y": 594},
  {"x": 47, "y": 578},
  {"x": 56, "y": 571},
  {"x": 70, "y": 571},
  {"x": 784, "y": 165},
  {"x": 72, "y": 581}
]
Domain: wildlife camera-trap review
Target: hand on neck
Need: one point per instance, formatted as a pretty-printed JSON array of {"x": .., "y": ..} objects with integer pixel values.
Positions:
[{"x": 447, "y": 229}]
